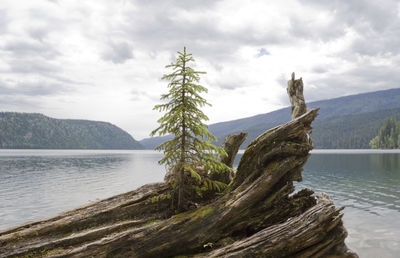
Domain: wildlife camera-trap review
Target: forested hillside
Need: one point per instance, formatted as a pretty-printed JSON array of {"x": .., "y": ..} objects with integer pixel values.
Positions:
[
  {"x": 345, "y": 122},
  {"x": 388, "y": 136},
  {"x": 351, "y": 131},
  {"x": 36, "y": 131}
]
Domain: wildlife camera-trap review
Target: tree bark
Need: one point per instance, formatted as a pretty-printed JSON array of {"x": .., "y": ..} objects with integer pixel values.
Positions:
[
  {"x": 181, "y": 185},
  {"x": 231, "y": 146},
  {"x": 296, "y": 97},
  {"x": 258, "y": 216}
]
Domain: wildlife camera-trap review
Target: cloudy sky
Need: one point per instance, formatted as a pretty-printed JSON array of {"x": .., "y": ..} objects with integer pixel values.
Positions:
[{"x": 103, "y": 60}]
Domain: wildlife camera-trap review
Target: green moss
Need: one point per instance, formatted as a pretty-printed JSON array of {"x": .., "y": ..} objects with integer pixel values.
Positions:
[
  {"x": 194, "y": 215},
  {"x": 202, "y": 212},
  {"x": 273, "y": 165},
  {"x": 152, "y": 222},
  {"x": 158, "y": 198},
  {"x": 40, "y": 253},
  {"x": 181, "y": 216},
  {"x": 226, "y": 241},
  {"x": 208, "y": 245}
]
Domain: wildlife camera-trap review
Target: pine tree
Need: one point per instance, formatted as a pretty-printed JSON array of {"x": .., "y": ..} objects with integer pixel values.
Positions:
[
  {"x": 190, "y": 154},
  {"x": 388, "y": 136}
]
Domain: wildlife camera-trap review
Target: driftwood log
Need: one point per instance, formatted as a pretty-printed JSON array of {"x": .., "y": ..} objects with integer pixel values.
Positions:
[
  {"x": 296, "y": 97},
  {"x": 258, "y": 215}
]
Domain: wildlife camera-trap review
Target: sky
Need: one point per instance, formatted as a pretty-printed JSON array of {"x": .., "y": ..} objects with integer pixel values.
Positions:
[{"x": 103, "y": 60}]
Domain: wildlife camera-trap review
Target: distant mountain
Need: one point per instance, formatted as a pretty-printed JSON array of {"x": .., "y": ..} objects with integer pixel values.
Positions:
[
  {"x": 36, "y": 131},
  {"x": 341, "y": 122}
]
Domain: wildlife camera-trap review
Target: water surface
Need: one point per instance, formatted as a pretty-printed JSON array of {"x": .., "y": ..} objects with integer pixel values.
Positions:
[
  {"x": 367, "y": 183},
  {"x": 36, "y": 184}
]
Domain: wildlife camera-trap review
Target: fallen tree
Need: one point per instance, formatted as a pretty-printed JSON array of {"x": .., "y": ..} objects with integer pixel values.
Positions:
[{"x": 257, "y": 216}]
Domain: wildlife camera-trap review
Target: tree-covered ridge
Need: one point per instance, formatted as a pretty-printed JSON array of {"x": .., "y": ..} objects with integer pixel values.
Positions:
[
  {"x": 36, "y": 131},
  {"x": 350, "y": 131},
  {"x": 341, "y": 132},
  {"x": 388, "y": 135},
  {"x": 343, "y": 123}
]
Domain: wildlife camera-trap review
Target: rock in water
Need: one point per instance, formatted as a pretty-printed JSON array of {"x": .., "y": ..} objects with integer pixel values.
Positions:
[{"x": 295, "y": 92}]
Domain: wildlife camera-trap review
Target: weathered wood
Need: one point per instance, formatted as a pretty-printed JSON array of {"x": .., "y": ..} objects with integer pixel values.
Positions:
[
  {"x": 315, "y": 233},
  {"x": 129, "y": 209},
  {"x": 231, "y": 146},
  {"x": 295, "y": 92},
  {"x": 256, "y": 217}
]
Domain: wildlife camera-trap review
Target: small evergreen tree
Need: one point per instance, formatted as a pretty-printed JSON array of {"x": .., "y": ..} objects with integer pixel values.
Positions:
[{"x": 190, "y": 156}]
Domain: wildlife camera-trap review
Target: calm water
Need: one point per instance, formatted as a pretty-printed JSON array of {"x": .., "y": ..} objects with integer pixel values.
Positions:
[{"x": 36, "y": 184}]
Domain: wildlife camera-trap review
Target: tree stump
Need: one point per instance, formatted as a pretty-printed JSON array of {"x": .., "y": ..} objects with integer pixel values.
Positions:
[{"x": 295, "y": 92}]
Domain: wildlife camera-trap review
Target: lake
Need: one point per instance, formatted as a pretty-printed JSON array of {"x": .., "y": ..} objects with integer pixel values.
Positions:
[{"x": 36, "y": 184}]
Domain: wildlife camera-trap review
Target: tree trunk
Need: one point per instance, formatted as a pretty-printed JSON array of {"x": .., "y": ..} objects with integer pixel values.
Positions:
[
  {"x": 181, "y": 184},
  {"x": 295, "y": 92},
  {"x": 258, "y": 216}
]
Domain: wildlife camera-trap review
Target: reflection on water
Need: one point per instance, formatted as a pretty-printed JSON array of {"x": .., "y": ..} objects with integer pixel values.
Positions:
[
  {"x": 387, "y": 162},
  {"x": 364, "y": 181},
  {"x": 368, "y": 185},
  {"x": 35, "y": 184}
]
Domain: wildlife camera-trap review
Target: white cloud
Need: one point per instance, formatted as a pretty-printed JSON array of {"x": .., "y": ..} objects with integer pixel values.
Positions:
[{"x": 103, "y": 60}]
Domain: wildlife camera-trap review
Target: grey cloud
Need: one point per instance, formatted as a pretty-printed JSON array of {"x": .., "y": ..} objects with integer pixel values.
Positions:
[
  {"x": 377, "y": 28},
  {"x": 140, "y": 95},
  {"x": 38, "y": 33},
  {"x": 31, "y": 88},
  {"x": 301, "y": 28},
  {"x": 27, "y": 48},
  {"x": 283, "y": 99},
  {"x": 376, "y": 43},
  {"x": 118, "y": 53},
  {"x": 188, "y": 5},
  {"x": 231, "y": 83},
  {"x": 282, "y": 81},
  {"x": 4, "y": 20},
  {"x": 319, "y": 69},
  {"x": 18, "y": 103},
  {"x": 156, "y": 27},
  {"x": 361, "y": 79},
  {"x": 376, "y": 22},
  {"x": 355, "y": 13},
  {"x": 45, "y": 22},
  {"x": 39, "y": 67},
  {"x": 33, "y": 66}
]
